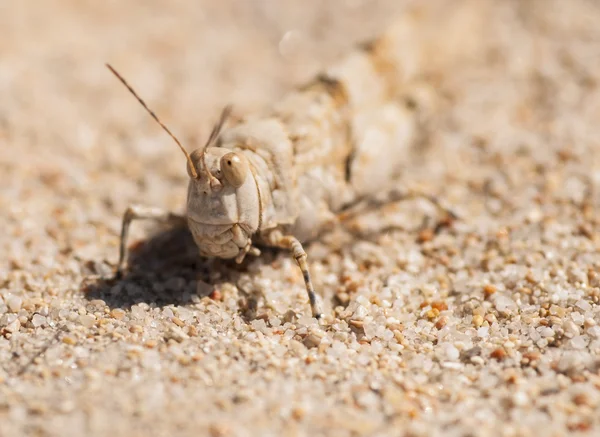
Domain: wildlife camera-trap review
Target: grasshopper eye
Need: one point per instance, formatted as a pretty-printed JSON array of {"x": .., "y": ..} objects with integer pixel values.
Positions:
[{"x": 234, "y": 168}]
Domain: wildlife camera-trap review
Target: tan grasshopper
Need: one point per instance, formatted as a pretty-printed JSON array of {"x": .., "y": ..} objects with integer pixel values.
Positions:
[{"x": 278, "y": 180}]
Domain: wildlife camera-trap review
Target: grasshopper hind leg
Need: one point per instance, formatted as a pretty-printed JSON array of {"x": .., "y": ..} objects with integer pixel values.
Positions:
[
  {"x": 140, "y": 212},
  {"x": 277, "y": 239}
]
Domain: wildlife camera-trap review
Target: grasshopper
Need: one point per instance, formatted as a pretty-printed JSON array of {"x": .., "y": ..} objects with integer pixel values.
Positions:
[{"x": 278, "y": 180}]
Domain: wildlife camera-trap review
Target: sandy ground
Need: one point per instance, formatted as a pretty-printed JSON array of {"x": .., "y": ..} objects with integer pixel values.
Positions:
[{"x": 487, "y": 327}]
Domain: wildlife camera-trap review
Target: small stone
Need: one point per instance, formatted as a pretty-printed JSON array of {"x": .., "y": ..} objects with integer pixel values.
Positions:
[
  {"x": 531, "y": 357},
  {"x": 136, "y": 329},
  {"x": 259, "y": 325},
  {"x": 594, "y": 331},
  {"x": 14, "y": 326},
  {"x": 477, "y": 360},
  {"x": 357, "y": 323},
  {"x": 7, "y": 319},
  {"x": 439, "y": 306},
  {"x": 578, "y": 342},
  {"x": 498, "y": 354},
  {"x": 589, "y": 322},
  {"x": 505, "y": 304},
  {"x": 298, "y": 413},
  {"x": 177, "y": 334},
  {"x": 87, "y": 320},
  {"x": 583, "y": 305},
  {"x": 216, "y": 295},
  {"x": 441, "y": 322},
  {"x": 370, "y": 329},
  {"x": 312, "y": 340},
  {"x": 138, "y": 312},
  {"x": 69, "y": 340},
  {"x": 489, "y": 289},
  {"x": 577, "y": 318},
  {"x": 432, "y": 313},
  {"x": 520, "y": 399},
  {"x": 14, "y": 303},
  {"x": 571, "y": 329},
  {"x": 117, "y": 313},
  {"x": 483, "y": 332},
  {"x": 556, "y": 310},
  {"x": 477, "y": 320},
  {"x": 452, "y": 353},
  {"x": 360, "y": 313},
  {"x": 425, "y": 235},
  {"x": 38, "y": 320},
  {"x": 581, "y": 399},
  {"x": 307, "y": 321}
]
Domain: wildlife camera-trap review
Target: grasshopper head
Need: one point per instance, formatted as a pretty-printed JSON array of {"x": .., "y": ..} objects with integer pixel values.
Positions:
[{"x": 223, "y": 204}]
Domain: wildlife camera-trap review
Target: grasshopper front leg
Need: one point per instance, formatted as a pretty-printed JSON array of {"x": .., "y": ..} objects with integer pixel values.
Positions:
[
  {"x": 277, "y": 239},
  {"x": 140, "y": 212}
]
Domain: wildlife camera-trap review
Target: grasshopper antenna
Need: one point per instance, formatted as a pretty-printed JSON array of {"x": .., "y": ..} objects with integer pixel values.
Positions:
[
  {"x": 214, "y": 134},
  {"x": 139, "y": 99}
]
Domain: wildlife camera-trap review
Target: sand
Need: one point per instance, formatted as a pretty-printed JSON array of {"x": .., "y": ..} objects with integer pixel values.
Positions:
[{"x": 485, "y": 327}]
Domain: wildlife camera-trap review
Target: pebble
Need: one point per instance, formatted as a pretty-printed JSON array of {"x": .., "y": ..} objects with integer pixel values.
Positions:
[
  {"x": 578, "y": 342},
  {"x": 14, "y": 303},
  {"x": 138, "y": 312},
  {"x": 38, "y": 320},
  {"x": 583, "y": 305},
  {"x": 452, "y": 353},
  {"x": 87, "y": 320},
  {"x": 13, "y": 326}
]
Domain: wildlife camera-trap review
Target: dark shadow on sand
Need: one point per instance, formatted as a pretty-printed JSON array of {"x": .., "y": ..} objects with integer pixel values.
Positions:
[{"x": 162, "y": 270}]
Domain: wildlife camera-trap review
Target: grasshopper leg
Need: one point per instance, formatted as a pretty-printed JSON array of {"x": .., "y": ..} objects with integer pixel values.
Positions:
[
  {"x": 395, "y": 195},
  {"x": 140, "y": 212},
  {"x": 277, "y": 239}
]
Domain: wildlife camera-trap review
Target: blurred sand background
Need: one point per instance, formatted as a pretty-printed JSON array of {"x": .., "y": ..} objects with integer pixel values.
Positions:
[{"x": 489, "y": 327}]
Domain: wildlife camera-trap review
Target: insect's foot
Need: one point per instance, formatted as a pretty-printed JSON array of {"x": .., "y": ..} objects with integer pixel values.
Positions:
[{"x": 315, "y": 307}]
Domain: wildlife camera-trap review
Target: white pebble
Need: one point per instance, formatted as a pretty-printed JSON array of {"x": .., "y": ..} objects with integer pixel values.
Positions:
[
  {"x": 87, "y": 320},
  {"x": 38, "y": 320},
  {"x": 579, "y": 342},
  {"x": 185, "y": 314},
  {"x": 14, "y": 326},
  {"x": 167, "y": 313},
  {"x": 137, "y": 312},
  {"x": 370, "y": 329},
  {"x": 259, "y": 325},
  {"x": 7, "y": 319},
  {"x": 337, "y": 349},
  {"x": 360, "y": 313},
  {"x": 571, "y": 329},
  {"x": 505, "y": 304},
  {"x": 583, "y": 305},
  {"x": 307, "y": 321},
  {"x": 577, "y": 317},
  {"x": 14, "y": 303},
  {"x": 452, "y": 353},
  {"x": 594, "y": 331},
  {"x": 520, "y": 399}
]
